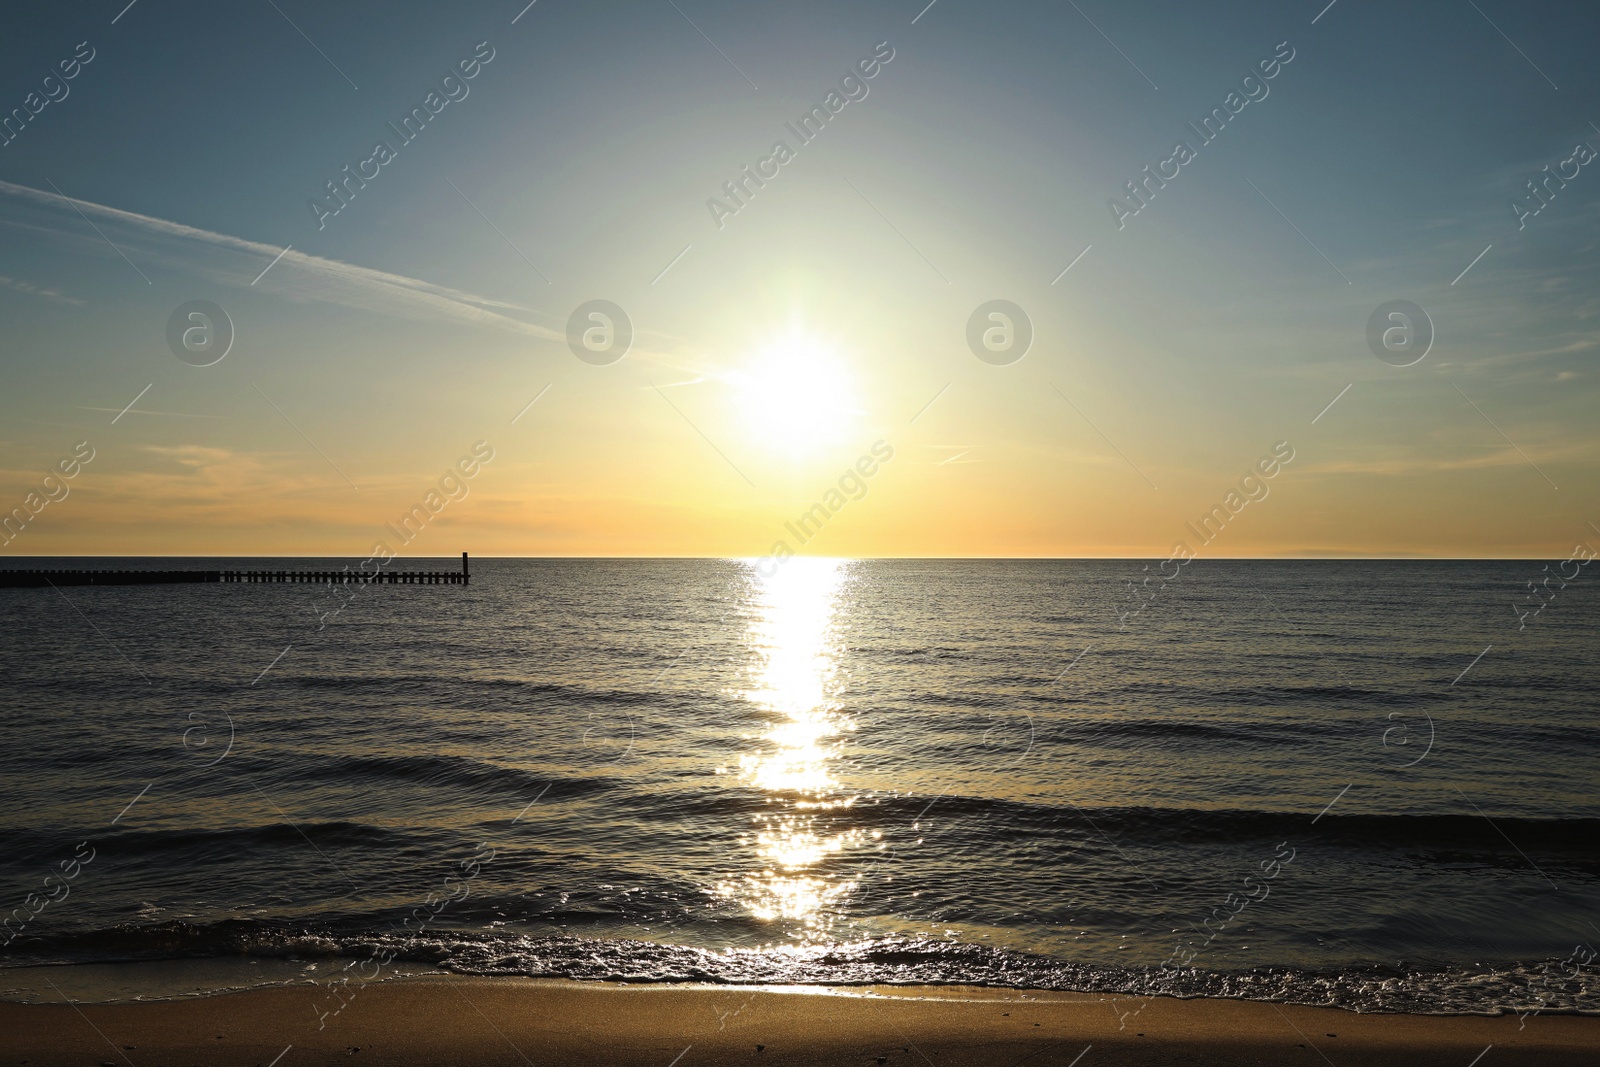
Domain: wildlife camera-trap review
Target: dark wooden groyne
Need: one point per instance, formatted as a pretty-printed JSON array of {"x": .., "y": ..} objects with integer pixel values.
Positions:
[{"x": 42, "y": 578}]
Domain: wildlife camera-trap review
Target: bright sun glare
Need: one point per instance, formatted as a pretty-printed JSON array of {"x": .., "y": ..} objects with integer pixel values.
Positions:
[
  {"x": 796, "y": 395},
  {"x": 796, "y": 689}
]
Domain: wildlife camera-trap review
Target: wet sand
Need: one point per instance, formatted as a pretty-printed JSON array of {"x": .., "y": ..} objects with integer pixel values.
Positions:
[{"x": 520, "y": 1022}]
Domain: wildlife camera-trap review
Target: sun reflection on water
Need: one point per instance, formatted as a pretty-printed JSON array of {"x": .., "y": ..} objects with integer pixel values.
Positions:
[{"x": 796, "y": 686}]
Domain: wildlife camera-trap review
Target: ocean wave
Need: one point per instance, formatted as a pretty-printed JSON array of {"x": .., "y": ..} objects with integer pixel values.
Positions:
[
  {"x": 1515, "y": 987},
  {"x": 1559, "y": 836},
  {"x": 961, "y": 821}
]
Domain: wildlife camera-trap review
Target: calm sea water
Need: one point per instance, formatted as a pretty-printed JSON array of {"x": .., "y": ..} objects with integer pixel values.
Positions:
[{"x": 1368, "y": 784}]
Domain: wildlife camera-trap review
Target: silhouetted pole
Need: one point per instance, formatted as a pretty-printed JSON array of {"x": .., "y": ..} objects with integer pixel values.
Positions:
[{"x": 466, "y": 575}]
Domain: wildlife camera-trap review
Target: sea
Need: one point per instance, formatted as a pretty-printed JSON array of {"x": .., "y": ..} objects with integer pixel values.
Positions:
[{"x": 1368, "y": 784}]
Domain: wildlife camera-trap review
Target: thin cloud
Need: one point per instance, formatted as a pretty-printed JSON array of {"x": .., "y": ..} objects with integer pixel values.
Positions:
[
  {"x": 1485, "y": 457},
  {"x": 22, "y": 286},
  {"x": 298, "y": 274},
  {"x": 145, "y": 411}
]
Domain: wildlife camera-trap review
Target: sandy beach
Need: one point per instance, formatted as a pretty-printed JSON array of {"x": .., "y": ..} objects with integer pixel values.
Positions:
[{"x": 515, "y": 1022}]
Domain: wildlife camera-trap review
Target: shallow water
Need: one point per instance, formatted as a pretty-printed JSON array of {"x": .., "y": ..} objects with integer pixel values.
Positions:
[{"x": 1356, "y": 783}]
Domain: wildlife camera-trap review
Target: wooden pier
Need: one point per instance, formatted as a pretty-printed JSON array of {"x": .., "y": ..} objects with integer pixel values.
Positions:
[{"x": 346, "y": 576}]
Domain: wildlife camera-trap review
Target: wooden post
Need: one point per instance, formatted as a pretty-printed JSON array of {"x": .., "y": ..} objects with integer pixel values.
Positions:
[{"x": 466, "y": 575}]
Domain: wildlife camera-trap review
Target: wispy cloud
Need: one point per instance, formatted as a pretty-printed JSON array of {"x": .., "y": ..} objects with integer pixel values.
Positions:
[
  {"x": 146, "y": 411},
  {"x": 298, "y": 275},
  {"x": 1474, "y": 452},
  {"x": 33, "y": 290}
]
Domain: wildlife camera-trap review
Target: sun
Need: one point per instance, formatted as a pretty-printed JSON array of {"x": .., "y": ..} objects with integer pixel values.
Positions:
[{"x": 796, "y": 395}]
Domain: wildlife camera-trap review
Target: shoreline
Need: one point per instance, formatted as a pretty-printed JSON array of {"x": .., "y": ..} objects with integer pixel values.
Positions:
[
  {"x": 173, "y": 979},
  {"x": 518, "y": 1022},
  {"x": 956, "y": 991}
]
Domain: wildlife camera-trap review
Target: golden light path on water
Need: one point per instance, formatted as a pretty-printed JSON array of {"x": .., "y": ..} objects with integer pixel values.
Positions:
[{"x": 796, "y": 689}]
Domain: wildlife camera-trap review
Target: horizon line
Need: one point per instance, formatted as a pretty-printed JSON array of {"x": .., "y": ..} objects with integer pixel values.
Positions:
[{"x": 742, "y": 559}]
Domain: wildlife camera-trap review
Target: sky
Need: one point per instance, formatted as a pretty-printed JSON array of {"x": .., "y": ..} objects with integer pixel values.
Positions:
[{"x": 789, "y": 340}]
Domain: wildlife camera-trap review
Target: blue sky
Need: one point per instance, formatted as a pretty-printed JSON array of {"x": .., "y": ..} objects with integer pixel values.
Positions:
[{"x": 1220, "y": 320}]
